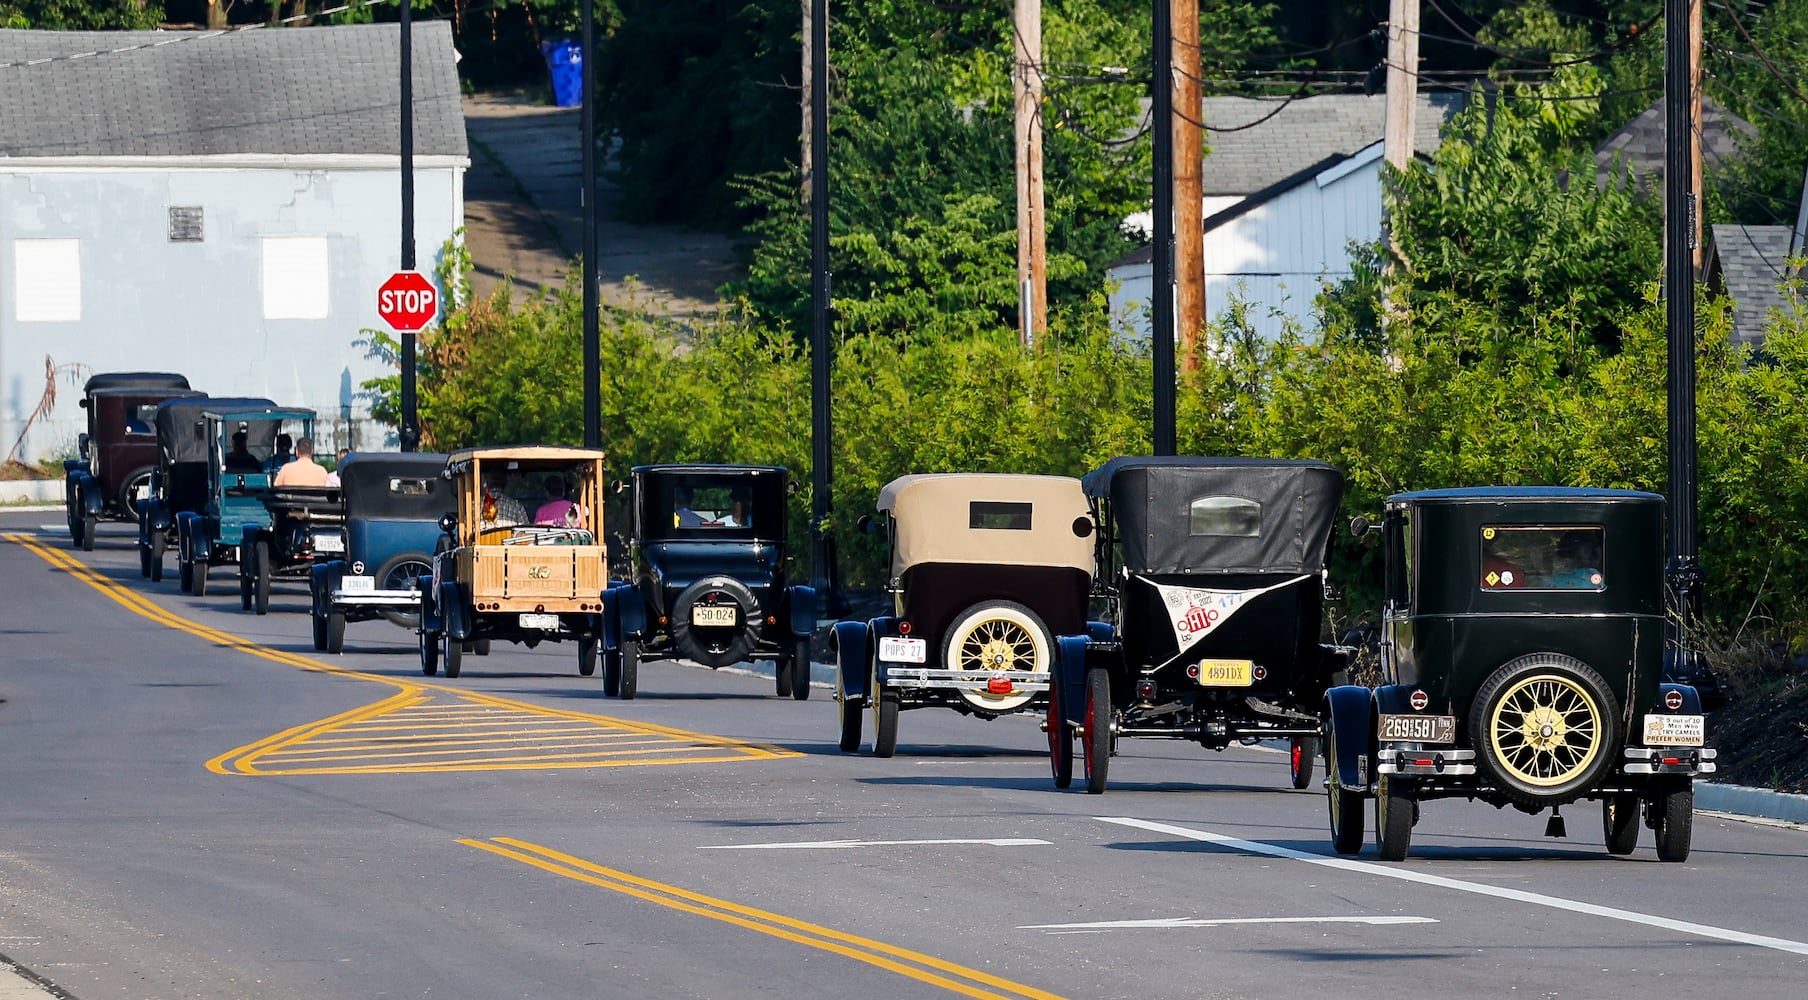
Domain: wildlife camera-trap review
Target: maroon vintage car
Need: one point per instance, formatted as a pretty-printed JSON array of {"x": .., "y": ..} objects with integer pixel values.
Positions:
[{"x": 118, "y": 451}]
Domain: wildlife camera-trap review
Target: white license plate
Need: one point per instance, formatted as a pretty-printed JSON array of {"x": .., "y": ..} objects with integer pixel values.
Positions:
[
  {"x": 899, "y": 649},
  {"x": 144, "y": 492},
  {"x": 357, "y": 584},
  {"x": 1418, "y": 728},
  {"x": 329, "y": 543},
  {"x": 1226, "y": 673},
  {"x": 546, "y": 623},
  {"x": 1675, "y": 730},
  {"x": 714, "y": 614}
]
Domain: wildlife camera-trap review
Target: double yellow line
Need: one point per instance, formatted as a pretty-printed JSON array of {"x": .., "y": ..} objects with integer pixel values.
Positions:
[{"x": 914, "y": 964}]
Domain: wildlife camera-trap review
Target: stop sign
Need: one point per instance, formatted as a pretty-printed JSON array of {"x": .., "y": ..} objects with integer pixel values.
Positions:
[{"x": 407, "y": 301}]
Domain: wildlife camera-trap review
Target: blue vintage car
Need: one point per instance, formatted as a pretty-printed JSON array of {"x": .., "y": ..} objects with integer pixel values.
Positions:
[
  {"x": 392, "y": 505},
  {"x": 180, "y": 482},
  {"x": 238, "y": 471}
]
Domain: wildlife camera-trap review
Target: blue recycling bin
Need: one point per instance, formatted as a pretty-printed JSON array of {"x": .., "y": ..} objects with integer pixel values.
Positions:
[{"x": 566, "y": 61}]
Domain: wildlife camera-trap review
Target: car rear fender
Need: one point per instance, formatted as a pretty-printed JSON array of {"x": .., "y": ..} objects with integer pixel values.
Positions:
[
  {"x": 1100, "y": 631},
  {"x": 803, "y": 611},
  {"x": 88, "y": 490},
  {"x": 852, "y": 641},
  {"x": 1070, "y": 674},
  {"x": 453, "y": 619},
  {"x": 625, "y": 611},
  {"x": 1350, "y": 710}
]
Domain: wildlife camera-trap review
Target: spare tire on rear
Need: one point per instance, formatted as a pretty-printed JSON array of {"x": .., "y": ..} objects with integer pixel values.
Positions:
[
  {"x": 1546, "y": 728},
  {"x": 994, "y": 637}
]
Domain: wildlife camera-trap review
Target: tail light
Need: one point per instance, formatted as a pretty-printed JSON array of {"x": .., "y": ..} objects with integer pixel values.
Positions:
[{"x": 903, "y": 628}]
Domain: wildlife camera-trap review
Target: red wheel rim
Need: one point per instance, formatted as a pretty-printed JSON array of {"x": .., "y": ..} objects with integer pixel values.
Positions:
[
  {"x": 1086, "y": 731},
  {"x": 1297, "y": 752}
]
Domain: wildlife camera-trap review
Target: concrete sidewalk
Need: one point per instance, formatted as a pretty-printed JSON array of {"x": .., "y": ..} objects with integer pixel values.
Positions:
[{"x": 524, "y": 218}]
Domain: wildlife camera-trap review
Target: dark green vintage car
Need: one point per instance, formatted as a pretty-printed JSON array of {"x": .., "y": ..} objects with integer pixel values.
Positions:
[{"x": 1522, "y": 641}]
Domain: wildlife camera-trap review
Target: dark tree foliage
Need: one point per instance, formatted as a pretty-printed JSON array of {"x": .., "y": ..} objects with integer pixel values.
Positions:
[{"x": 81, "y": 15}]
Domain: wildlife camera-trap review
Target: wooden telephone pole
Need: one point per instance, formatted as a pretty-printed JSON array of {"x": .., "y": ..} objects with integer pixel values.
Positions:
[
  {"x": 1189, "y": 183},
  {"x": 1402, "y": 82},
  {"x": 1032, "y": 231}
]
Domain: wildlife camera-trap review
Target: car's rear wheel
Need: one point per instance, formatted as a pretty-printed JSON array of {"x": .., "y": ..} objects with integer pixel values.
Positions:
[
  {"x": 89, "y": 524},
  {"x": 399, "y": 572},
  {"x": 611, "y": 673},
  {"x": 586, "y": 657},
  {"x": 128, "y": 494},
  {"x": 630, "y": 670},
  {"x": 800, "y": 670},
  {"x": 1095, "y": 729},
  {"x": 1395, "y": 811},
  {"x": 452, "y": 651},
  {"x": 198, "y": 576},
  {"x": 481, "y": 647},
  {"x": 1345, "y": 804},
  {"x": 144, "y": 560},
  {"x": 1673, "y": 816},
  {"x": 1545, "y": 725},
  {"x": 154, "y": 559},
  {"x": 335, "y": 631},
  {"x": 1620, "y": 823},
  {"x": 851, "y": 714},
  {"x": 998, "y": 637},
  {"x": 781, "y": 676},
  {"x": 886, "y": 706},
  {"x": 260, "y": 582},
  {"x": 318, "y": 620},
  {"x": 247, "y": 571},
  {"x": 429, "y": 653},
  {"x": 1300, "y": 756},
  {"x": 1060, "y": 741},
  {"x": 72, "y": 502},
  {"x": 185, "y": 573}
]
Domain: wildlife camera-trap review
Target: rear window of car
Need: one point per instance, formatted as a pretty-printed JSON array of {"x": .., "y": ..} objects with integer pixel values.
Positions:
[
  {"x": 998, "y": 515},
  {"x": 1225, "y": 517},
  {"x": 1543, "y": 557}
]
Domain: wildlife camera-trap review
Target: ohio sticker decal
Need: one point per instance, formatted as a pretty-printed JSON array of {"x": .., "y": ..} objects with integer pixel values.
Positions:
[{"x": 1196, "y": 612}]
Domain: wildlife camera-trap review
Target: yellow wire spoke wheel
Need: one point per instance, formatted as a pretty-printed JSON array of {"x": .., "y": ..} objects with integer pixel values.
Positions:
[
  {"x": 994, "y": 637},
  {"x": 1547, "y": 728}
]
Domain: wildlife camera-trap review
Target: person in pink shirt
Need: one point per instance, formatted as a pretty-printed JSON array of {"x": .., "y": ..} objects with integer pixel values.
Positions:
[{"x": 303, "y": 471}]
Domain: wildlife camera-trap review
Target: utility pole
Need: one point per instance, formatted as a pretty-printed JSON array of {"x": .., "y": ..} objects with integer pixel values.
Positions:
[
  {"x": 809, "y": 81},
  {"x": 1032, "y": 235},
  {"x": 1189, "y": 183},
  {"x": 1696, "y": 181},
  {"x": 1161, "y": 292},
  {"x": 1682, "y": 573},
  {"x": 1402, "y": 82},
  {"x": 822, "y": 547},
  {"x": 411, "y": 429},
  {"x": 593, "y": 390}
]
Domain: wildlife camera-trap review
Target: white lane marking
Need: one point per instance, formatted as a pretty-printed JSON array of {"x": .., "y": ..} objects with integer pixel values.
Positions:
[
  {"x": 1162, "y": 923},
  {"x": 838, "y": 844},
  {"x": 53, "y": 529},
  {"x": 1480, "y": 889}
]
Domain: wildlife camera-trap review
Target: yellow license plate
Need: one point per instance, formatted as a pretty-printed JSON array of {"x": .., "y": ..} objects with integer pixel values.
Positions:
[
  {"x": 713, "y": 614},
  {"x": 1226, "y": 673}
]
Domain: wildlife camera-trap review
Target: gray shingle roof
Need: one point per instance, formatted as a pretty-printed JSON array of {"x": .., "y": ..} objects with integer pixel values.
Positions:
[
  {"x": 1303, "y": 133},
  {"x": 1748, "y": 262},
  {"x": 295, "y": 91},
  {"x": 1640, "y": 144}
]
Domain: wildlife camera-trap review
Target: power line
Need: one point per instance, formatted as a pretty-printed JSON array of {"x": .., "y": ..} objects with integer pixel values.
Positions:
[{"x": 1737, "y": 23}]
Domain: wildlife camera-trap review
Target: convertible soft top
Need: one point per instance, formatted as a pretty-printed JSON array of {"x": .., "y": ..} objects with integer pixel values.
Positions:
[
  {"x": 135, "y": 380},
  {"x": 182, "y": 433},
  {"x": 395, "y": 484},
  {"x": 1157, "y": 503},
  {"x": 988, "y": 519}
]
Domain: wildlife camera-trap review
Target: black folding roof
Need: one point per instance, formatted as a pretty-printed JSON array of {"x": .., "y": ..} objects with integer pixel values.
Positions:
[
  {"x": 143, "y": 380},
  {"x": 181, "y": 432}
]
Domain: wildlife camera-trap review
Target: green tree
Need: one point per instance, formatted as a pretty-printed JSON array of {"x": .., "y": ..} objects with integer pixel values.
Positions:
[{"x": 81, "y": 15}]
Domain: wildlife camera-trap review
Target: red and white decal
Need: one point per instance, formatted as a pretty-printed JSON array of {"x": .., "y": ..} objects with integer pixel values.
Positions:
[{"x": 1196, "y": 611}]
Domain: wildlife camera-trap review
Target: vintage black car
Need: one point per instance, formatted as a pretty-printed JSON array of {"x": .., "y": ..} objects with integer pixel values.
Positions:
[
  {"x": 118, "y": 451},
  {"x": 306, "y": 526},
  {"x": 179, "y": 484},
  {"x": 1213, "y": 574},
  {"x": 710, "y": 577},
  {"x": 237, "y": 479},
  {"x": 1522, "y": 638},
  {"x": 392, "y": 503},
  {"x": 988, "y": 572}
]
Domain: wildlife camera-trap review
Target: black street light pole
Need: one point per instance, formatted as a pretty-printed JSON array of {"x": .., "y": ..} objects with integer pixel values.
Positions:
[
  {"x": 822, "y": 547},
  {"x": 411, "y": 431},
  {"x": 593, "y": 403},
  {"x": 1682, "y": 574},
  {"x": 1161, "y": 93}
]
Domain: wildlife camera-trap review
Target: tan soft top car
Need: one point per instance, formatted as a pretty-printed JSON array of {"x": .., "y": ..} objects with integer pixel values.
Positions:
[
  {"x": 524, "y": 559},
  {"x": 986, "y": 571}
]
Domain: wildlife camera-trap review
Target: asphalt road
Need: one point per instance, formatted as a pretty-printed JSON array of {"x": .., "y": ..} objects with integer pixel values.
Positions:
[{"x": 196, "y": 804}]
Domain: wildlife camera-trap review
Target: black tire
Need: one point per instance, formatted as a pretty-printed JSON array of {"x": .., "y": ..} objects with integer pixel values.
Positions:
[
  {"x": 781, "y": 677},
  {"x": 1095, "y": 730},
  {"x": 318, "y": 620},
  {"x": 128, "y": 493},
  {"x": 800, "y": 670},
  {"x": 89, "y": 523},
  {"x": 885, "y": 723},
  {"x": 335, "y": 631},
  {"x": 1013, "y": 633},
  {"x": 481, "y": 647},
  {"x": 586, "y": 657},
  {"x": 630, "y": 670},
  {"x": 1301, "y": 754},
  {"x": 144, "y": 561},
  {"x": 197, "y": 578},
  {"x": 851, "y": 714},
  {"x": 247, "y": 572},
  {"x": 1060, "y": 741},
  {"x": 154, "y": 558},
  {"x": 429, "y": 653},
  {"x": 185, "y": 574},
  {"x": 260, "y": 582},
  {"x": 399, "y": 572},
  {"x": 72, "y": 503},
  {"x": 452, "y": 654},
  {"x": 1564, "y": 757},
  {"x": 1673, "y": 818},
  {"x": 1620, "y": 823},
  {"x": 1344, "y": 804},
  {"x": 612, "y": 673},
  {"x": 1394, "y": 814}
]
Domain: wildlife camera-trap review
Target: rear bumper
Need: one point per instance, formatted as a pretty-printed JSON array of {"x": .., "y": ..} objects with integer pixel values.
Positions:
[
  {"x": 1689, "y": 761},
  {"x": 923, "y": 678}
]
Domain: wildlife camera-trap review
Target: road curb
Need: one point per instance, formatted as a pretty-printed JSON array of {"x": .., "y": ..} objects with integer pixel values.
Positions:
[{"x": 1740, "y": 800}]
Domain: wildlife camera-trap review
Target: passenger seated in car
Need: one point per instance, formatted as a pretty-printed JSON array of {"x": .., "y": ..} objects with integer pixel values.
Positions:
[
  {"x": 303, "y": 471},
  {"x": 557, "y": 511},
  {"x": 682, "y": 514},
  {"x": 240, "y": 459}
]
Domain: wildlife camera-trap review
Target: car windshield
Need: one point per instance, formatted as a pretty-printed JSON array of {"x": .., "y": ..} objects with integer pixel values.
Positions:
[
  {"x": 706, "y": 506},
  {"x": 514, "y": 494},
  {"x": 1542, "y": 557}
]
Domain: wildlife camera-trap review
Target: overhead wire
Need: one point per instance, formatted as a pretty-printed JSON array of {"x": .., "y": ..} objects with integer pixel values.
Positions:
[{"x": 1752, "y": 43}]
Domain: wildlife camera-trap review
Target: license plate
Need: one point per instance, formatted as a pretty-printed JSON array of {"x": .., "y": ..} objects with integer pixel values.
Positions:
[
  {"x": 714, "y": 614},
  {"x": 329, "y": 543},
  {"x": 1418, "y": 728},
  {"x": 1675, "y": 730},
  {"x": 899, "y": 649},
  {"x": 144, "y": 492},
  {"x": 1226, "y": 673},
  {"x": 358, "y": 584},
  {"x": 546, "y": 623}
]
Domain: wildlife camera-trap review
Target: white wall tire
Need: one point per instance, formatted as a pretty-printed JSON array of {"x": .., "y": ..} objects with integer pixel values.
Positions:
[{"x": 994, "y": 636}]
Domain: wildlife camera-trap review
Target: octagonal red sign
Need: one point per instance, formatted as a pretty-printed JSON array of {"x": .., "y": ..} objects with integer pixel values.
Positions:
[{"x": 407, "y": 301}]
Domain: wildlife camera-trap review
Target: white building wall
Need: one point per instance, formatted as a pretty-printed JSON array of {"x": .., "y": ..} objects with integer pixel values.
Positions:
[{"x": 202, "y": 309}]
